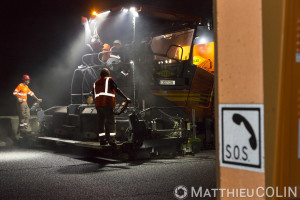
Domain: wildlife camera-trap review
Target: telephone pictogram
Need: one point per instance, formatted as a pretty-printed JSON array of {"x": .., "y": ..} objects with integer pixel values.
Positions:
[{"x": 238, "y": 119}]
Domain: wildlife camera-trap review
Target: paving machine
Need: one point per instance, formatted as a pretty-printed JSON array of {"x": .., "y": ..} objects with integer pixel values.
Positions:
[{"x": 165, "y": 65}]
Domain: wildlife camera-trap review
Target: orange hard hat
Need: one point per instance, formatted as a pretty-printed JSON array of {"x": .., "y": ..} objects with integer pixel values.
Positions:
[{"x": 25, "y": 77}]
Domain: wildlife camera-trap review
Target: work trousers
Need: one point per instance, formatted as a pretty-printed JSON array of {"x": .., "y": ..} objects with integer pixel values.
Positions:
[
  {"x": 24, "y": 116},
  {"x": 106, "y": 123}
]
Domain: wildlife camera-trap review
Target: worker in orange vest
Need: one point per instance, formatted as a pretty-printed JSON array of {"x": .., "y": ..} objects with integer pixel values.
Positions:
[
  {"x": 105, "y": 101},
  {"x": 105, "y": 56},
  {"x": 21, "y": 93}
]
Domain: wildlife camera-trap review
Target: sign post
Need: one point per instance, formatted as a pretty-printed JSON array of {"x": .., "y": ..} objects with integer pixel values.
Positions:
[{"x": 239, "y": 96}]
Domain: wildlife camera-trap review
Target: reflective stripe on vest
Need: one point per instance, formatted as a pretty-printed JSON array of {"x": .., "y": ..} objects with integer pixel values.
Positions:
[
  {"x": 106, "y": 90},
  {"x": 21, "y": 92}
]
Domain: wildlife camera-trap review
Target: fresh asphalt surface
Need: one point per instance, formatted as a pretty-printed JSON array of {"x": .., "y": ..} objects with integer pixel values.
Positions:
[{"x": 61, "y": 172}]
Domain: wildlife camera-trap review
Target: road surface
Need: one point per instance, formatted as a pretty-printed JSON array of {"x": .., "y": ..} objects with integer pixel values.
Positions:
[{"x": 65, "y": 173}]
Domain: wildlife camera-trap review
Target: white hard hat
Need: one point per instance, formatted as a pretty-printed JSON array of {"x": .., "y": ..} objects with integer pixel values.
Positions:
[{"x": 118, "y": 42}]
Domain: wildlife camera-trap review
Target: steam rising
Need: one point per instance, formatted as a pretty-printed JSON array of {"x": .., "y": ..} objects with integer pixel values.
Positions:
[{"x": 53, "y": 81}]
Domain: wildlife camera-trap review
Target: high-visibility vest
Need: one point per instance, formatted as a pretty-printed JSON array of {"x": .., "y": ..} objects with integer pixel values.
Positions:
[
  {"x": 115, "y": 54},
  {"x": 21, "y": 92},
  {"x": 104, "y": 94}
]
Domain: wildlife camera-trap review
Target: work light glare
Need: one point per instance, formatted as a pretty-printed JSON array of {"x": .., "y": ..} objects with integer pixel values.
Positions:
[{"x": 132, "y": 9}]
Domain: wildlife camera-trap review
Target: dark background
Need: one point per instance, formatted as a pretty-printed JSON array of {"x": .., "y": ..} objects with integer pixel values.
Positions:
[{"x": 44, "y": 39}]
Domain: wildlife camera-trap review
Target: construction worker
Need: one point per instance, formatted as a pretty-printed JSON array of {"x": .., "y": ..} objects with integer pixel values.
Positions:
[
  {"x": 96, "y": 43},
  {"x": 105, "y": 56},
  {"x": 116, "y": 50},
  {"x": 104, "y": 95},
  {"x": 23, "y": 110}
]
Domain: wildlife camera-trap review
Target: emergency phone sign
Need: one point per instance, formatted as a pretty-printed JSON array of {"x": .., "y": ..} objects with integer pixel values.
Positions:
[{"x": 241, "y": 136}]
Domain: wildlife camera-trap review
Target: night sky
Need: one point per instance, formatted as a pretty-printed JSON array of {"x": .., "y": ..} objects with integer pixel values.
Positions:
[{"x": 44, "y": 40}]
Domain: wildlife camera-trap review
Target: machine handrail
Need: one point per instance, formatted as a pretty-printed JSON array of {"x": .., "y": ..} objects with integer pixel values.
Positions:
[
  {"x": 85, "y": 94},
  {"x": 154, "y": 107}
]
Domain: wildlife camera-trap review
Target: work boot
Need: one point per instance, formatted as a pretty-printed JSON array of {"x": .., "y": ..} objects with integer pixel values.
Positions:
[
  {"x": 112, "y": 141},
  {"x": 103, "y": 142},
  {"x": 23, "y": 133}
]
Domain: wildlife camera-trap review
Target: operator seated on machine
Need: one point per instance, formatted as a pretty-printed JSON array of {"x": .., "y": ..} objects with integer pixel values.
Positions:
[
  {"x": 117, "y": 50},
  {"x": 104, "y": 97}
]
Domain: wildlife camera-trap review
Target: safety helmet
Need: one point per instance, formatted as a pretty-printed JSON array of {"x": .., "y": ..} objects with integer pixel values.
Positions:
[
  {"x": 118, "y": 42},
  {"x": 25, "y": 77},
  {"x": 104, "y": 72},
  {"x": 89, "y": 100}
]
